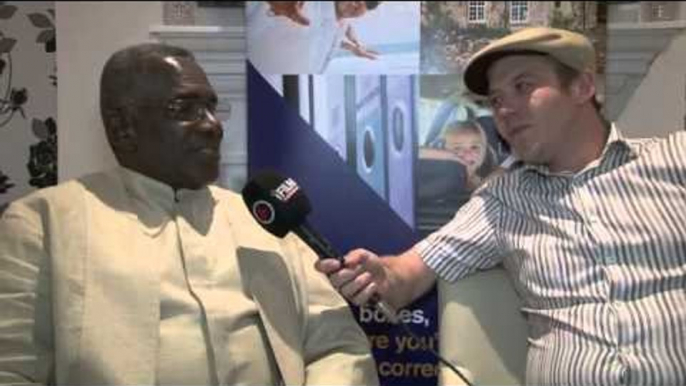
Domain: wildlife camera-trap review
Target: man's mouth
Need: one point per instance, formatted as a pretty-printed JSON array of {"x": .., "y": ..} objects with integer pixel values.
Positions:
[{"x": 212, "y": 151}]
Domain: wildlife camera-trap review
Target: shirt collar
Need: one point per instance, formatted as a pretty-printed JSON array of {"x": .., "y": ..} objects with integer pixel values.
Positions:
[
  {"x": 615, "y": 140},
  {"x": 154, "y": 195}
]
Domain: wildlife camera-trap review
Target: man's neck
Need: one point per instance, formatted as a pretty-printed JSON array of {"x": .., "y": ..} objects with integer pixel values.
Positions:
[{"x": 589, "y": 143}]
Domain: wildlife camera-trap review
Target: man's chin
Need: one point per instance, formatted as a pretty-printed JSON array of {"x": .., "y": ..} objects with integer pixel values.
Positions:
[
  {"x": 202, "y": 179},
  {"x": 531, "y": 155}
]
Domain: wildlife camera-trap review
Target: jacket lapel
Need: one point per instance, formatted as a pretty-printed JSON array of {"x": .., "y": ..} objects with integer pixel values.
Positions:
[
  {"x": 121, "y": 301},
  {"x": 269, "y": 280},
  {"x": 278, "y": 309}
]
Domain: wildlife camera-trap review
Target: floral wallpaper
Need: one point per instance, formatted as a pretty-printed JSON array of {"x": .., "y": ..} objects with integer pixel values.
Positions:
[{"x": 28, "y": 98}]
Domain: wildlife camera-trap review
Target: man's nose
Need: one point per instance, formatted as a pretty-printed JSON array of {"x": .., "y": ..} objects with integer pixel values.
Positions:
[
  {"x": 213, "y": 124},
  {"x": 506, "y": 107}
]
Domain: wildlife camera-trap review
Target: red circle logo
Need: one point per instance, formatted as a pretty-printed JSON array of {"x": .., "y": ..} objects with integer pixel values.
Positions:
[{"x": 263, "y": 212}]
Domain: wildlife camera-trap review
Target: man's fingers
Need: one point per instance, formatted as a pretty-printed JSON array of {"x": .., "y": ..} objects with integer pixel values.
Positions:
[
  {"x": 349, "y": 289},
  {"x": 362, "y": 297},
  {"x": 344, "y": 276},
  {"x": 356, "y": 257},
  {"x": 327, "y": 266},
  {"x": 354, "y": 279}
]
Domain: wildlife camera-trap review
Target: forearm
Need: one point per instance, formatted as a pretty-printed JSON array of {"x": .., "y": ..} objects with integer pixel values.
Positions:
[{"x": 408, "y": 278}]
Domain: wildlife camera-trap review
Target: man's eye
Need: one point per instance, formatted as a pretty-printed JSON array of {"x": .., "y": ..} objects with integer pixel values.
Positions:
[
  {"x": 523, "y": 87},
  {"x": 189, "y": 108},
  {"x": 495, "y": 102}
]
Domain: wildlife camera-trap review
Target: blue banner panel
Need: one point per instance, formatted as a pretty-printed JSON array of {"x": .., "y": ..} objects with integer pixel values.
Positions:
[{"x": 350, "y": 212}]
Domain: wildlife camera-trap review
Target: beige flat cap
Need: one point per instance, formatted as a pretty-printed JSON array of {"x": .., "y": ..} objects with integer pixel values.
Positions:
[{"x": 570, "y": 48}]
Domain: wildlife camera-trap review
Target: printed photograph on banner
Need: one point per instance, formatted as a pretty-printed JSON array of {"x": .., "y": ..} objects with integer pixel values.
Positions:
[
  {"x": 458, "y": 149},
  {"x": 452, "y": 31},
  {"x": 370, "y": 121},
  {"x": 340, "y": 37}
]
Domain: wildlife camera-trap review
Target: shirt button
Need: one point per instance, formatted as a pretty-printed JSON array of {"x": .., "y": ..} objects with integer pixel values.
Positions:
[{"x": 610, "y": 259}]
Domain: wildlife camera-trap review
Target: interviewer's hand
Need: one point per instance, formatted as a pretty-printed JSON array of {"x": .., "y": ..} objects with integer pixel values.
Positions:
[{"x": 361, "y": 276}]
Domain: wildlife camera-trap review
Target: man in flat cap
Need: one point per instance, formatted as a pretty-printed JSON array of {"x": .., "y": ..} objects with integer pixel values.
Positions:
[{"x": 590, "y": 225}]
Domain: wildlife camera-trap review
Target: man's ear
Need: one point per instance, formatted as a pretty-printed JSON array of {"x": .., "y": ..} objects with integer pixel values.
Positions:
[
  {"x": 120, "y": 131},
  {"x": 583, "y": 87}
]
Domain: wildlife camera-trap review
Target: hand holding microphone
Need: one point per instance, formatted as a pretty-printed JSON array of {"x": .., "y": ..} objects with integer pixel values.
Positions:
[
  {"x": 280, "y": 206},
  {"x": 360, "y": 277}
]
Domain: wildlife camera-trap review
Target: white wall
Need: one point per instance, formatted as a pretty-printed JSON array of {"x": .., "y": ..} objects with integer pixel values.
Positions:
[
  {"x": 658, "y": 105},
  {"x": 88, "y": 32}
]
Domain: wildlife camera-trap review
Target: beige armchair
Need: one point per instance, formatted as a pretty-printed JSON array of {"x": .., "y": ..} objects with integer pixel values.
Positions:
[{"x": 482, "y": 330}]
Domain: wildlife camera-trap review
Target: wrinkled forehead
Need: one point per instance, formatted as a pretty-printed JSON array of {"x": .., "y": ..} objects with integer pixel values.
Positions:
[{"x": 164, "y": 76}]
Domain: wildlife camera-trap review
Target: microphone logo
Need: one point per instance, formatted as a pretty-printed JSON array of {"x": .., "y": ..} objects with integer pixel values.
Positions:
[
  {"x": 263, "y": 212},
  {"x": 286, "y": 190}
]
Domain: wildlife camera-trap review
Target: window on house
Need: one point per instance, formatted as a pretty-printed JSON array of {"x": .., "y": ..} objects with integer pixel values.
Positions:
[
  {"x": 519, "y": 11},
  {"x": 657, "y": 11},
  {"x": 477, "y": 11}
]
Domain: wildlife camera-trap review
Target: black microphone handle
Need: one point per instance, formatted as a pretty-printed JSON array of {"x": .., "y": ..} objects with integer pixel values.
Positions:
[
  {"x": 318, "y": 243},
  {"x": 325, "y": 250}
]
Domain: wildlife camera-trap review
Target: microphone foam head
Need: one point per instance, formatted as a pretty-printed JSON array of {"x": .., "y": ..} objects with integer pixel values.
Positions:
[{"x": 277, "y": 203}]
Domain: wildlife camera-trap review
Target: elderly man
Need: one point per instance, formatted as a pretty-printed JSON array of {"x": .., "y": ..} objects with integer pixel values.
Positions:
[
  {"x": 147, "y": 275},
  {"x": 590, "y": 225}
]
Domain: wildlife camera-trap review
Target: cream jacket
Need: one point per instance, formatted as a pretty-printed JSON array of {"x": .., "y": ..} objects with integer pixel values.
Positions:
[{"x": 80, "y": 300}]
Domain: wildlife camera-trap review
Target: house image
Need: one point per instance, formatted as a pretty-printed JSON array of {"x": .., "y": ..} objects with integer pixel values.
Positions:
[{"x": 452, "y": 31}]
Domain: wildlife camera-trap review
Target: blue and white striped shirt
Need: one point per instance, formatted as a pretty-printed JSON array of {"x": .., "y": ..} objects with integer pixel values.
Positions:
[{"x": 598, "y": 256}]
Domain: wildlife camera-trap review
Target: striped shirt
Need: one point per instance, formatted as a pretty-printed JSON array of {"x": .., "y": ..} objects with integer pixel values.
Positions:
[{"x": 598, "y": 256}]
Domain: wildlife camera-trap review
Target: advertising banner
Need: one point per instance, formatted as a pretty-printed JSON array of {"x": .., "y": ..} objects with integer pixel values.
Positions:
[{"x": 362, "y": 103}]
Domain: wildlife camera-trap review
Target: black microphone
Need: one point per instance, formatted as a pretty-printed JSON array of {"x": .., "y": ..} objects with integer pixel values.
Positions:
[{"x": 280, "y": 206}]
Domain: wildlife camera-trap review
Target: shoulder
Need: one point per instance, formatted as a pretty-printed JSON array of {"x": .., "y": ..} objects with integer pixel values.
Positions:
[
  {"x": 68, "y": 196},
  {"x": 678, "y": 138},
  {"x": 505, "y": 181},
  {"x": 671, "y": 147},
  {"x": 58, "y": 195},
  {"x": 230, "y": 201}
]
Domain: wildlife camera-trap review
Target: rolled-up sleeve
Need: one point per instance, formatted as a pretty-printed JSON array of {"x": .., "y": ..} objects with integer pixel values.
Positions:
[{"x": 468, "y": 242}]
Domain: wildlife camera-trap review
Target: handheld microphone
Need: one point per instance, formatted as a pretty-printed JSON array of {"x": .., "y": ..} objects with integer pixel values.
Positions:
[{"x": 280, "y": 206}]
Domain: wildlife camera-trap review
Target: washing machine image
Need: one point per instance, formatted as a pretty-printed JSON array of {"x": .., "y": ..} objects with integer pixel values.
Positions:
[
  {"x": 398, "y": 100},
  {"x": 370, "y": 148}
]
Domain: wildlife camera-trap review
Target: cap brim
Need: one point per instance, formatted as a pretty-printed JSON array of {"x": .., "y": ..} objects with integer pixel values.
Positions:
[{"x": 476, "y": 73}]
